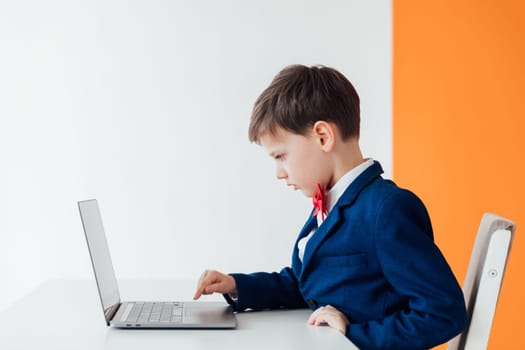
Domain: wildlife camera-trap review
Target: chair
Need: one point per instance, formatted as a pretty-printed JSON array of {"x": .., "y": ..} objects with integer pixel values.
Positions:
[{"x": 483, "y": 281}]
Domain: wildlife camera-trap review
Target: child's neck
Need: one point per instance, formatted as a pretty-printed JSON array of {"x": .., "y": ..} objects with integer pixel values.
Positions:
[{"x": 345, "y": 157}]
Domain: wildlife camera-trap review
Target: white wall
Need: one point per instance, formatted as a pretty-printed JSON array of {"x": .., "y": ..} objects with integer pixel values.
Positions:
[{"x": 145, "y": 105}]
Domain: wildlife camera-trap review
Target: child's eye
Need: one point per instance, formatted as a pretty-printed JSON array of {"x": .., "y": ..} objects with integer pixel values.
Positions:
[{"x": 279, "y": 157}]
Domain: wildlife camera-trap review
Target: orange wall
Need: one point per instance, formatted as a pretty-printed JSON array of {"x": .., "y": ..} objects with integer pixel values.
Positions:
[{"x": 459, "y": 124}]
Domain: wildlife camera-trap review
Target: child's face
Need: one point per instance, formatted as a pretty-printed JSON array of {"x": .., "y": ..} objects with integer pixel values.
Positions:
[{"x": 300, "y": 160}]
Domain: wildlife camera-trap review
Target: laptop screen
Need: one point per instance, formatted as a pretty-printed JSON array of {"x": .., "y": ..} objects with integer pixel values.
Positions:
[{"x": 100, "y": 258}]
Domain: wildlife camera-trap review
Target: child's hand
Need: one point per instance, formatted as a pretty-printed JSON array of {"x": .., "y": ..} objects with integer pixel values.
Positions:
[
  {"x": 331, "y": 316},
  {"x": 215, "y": 282}
]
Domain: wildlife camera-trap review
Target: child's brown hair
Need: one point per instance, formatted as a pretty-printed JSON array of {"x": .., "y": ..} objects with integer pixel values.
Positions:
[{"x": 299, "y": 96}]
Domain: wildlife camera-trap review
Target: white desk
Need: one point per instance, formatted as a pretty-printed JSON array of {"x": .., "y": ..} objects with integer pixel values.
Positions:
[{"x": 46, "y": 319}]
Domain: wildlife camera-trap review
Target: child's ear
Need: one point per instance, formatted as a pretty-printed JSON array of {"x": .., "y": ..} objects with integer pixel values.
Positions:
[{"x": 324, "y": 133}]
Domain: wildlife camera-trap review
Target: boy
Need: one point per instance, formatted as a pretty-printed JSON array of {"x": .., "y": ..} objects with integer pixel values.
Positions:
[{"x": 365, "y": 260}]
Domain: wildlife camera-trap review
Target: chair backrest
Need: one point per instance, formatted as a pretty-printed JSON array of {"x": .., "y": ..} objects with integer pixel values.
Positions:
[{"x": 483, "y": 281}]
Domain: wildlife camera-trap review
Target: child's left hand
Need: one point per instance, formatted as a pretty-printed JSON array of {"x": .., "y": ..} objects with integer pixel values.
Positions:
[{"x": 331, "y": 316}]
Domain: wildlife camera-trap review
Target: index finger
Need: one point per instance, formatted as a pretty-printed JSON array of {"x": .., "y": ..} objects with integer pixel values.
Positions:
[{"x": 200, "y": 286}]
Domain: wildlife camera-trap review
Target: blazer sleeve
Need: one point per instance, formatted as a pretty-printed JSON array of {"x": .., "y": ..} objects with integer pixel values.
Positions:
[
  {"x": 416, "y": 269},
  {"x": 263, "y": 290}
]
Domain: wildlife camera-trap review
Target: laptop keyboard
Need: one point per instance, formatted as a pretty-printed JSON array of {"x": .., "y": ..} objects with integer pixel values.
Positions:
[{"x": 151, "y": 312}]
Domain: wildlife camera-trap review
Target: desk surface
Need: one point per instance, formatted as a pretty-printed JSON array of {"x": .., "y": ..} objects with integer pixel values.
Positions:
[{"x": 64, "y": 314}]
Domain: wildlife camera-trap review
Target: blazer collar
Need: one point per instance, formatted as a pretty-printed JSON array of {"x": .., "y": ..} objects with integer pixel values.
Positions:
[
  {"x": 334, "y": 216},
  {"x": 367, "y": 176}
]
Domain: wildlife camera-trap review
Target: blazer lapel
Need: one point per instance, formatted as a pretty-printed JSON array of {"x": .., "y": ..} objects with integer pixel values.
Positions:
[
  {"x": 327, "y": 227},
  {"x": 310, "y": 224}
]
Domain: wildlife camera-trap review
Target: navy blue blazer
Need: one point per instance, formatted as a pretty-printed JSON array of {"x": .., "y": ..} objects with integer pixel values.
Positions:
[{"x": 374, "y": 259}]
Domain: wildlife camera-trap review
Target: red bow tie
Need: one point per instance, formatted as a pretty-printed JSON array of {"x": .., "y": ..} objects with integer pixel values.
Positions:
[{"x": 319, "y": 201}]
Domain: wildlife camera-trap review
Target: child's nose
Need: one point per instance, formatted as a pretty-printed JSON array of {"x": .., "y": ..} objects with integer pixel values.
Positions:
[{"x": 280, "y": 173}]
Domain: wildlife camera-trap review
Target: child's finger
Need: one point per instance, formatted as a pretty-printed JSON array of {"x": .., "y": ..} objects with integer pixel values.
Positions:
[
  {"x": 198, "y": 292},
  {"x": 315, "y": 316},
  {"x": 201, "y": 285}
]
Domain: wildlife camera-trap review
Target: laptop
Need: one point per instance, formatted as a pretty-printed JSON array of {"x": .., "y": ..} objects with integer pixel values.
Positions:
[{"x": 142, "y": 314}]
